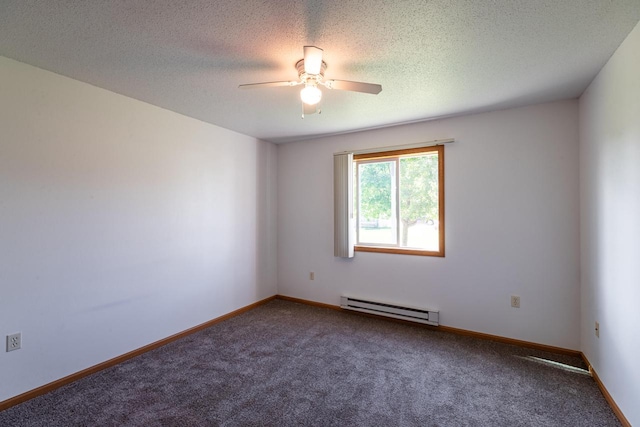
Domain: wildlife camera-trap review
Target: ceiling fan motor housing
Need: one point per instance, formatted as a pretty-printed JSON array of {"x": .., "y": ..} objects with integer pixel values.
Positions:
[{"x": 310, "y": 79}]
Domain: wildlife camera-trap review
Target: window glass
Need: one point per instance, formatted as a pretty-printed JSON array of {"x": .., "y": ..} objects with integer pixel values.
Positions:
[
  {"x": 419, "y": 202},
  {"x": 377, "y": 202}
]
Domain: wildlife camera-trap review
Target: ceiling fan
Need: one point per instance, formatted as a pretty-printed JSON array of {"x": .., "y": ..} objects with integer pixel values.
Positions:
[{"x": 311, "y": 73}]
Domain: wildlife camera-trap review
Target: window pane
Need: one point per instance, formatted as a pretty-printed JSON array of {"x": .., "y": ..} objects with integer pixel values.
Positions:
[
  {"x": 377, "y": 203},
  {"x": 419, "y": 202}
]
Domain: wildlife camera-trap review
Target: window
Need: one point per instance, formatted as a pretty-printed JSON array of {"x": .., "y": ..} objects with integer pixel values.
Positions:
[{"x": 399, "y": 201}]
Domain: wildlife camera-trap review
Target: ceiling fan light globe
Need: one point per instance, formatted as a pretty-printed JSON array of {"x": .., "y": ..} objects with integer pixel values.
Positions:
[{"x": 310, "y": 95}]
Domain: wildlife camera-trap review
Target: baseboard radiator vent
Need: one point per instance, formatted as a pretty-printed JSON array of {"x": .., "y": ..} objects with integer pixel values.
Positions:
[{"x": 429, "y": 317}]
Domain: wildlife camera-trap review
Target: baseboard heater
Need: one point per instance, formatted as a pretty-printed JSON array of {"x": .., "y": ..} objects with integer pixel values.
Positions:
[{"x": 429, "y": 317}]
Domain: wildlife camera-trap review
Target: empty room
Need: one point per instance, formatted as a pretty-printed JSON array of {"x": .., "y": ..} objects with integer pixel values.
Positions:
[{"x": 412, "y": 213}]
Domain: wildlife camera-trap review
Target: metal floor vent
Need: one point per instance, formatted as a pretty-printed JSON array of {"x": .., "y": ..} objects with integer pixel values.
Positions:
[{"x": 429, "y": 317}]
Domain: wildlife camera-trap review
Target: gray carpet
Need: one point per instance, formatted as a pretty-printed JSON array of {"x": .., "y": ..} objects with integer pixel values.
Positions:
[{"x": 289, "y": 364}]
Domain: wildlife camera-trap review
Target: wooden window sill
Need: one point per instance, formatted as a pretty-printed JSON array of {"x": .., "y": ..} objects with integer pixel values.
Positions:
[{"x": 401, "y": 251}]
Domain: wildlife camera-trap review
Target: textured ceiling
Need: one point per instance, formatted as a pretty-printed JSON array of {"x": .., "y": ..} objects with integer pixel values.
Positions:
[{"x": 432, "y": 58}]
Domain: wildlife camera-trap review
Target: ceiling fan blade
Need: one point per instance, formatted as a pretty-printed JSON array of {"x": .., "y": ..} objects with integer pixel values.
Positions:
[
  {"x": 371, "y": 88},
  {"x": 312, "y": 59},
  {"x": 269, "y": 84},
  {"x": 308, "y": 109}
]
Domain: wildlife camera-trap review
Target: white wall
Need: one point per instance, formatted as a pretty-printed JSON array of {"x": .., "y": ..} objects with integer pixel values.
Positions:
[
  {"x": 120, "y": 224},
  {"x": 512, "y": 225},
  {"x": 610, "y": 224}
]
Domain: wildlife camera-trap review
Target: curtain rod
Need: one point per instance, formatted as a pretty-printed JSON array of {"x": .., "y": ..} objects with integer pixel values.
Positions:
[{"x": 399, "y": 147}]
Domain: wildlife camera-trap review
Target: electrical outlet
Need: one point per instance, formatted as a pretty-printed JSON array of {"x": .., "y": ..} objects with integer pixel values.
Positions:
[
  {"x": 14, "y": 341},
  {"x": 597, "y": 329},
  {"x": 515, "y": 301},
  {"x": 312, "y": 275}
]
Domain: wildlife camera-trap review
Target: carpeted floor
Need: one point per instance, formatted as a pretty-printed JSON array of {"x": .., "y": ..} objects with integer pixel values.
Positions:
[{"x": 288, "y": 364}]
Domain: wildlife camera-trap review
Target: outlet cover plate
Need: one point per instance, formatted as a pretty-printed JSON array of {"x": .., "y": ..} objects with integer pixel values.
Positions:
[
  {"x": 515, "y": 301},
  {"x": 14, "y": 341}
]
